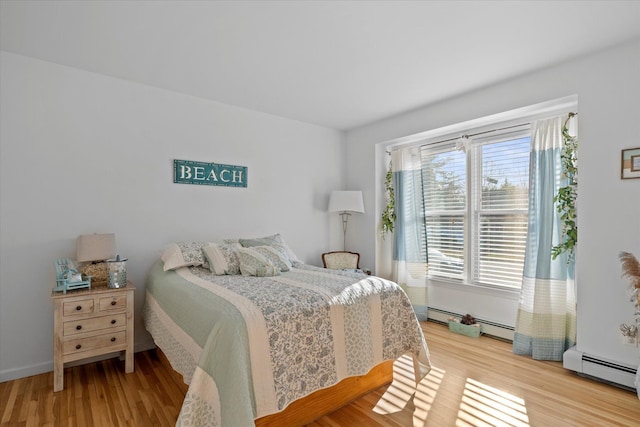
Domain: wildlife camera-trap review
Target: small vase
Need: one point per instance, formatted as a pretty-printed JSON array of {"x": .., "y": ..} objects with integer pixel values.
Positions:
[{"x": 117, "y": 272}]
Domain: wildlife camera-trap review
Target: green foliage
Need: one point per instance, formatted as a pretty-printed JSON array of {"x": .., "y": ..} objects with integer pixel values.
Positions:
[
  {"x": 389, "y": 214},
  {"x": 566, "y": 196},
  {"x": 443, "y": 181}
]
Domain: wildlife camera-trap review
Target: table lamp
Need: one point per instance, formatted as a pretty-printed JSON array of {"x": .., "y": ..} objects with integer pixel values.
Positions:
[{"x": 93, "y": 250}]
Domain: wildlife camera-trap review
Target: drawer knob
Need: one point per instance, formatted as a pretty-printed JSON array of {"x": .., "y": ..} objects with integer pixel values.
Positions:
[
  {"x": 78, "y": 327},
  {"x": 113, "y": 322},
  {"x": 78, "y": 307},
  {"x": 78, "y": 346},
  {"x": 113, "y": 303},
  {"x": 113, "y": 339}
]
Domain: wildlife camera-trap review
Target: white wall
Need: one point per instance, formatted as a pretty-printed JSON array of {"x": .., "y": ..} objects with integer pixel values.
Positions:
[
  {"x": 608, "y": 92},
  {"x": 83, "y": 153}
]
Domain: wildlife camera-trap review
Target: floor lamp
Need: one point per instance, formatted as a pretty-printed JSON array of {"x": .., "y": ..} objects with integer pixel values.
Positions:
[{"x": 346, "y": 202}]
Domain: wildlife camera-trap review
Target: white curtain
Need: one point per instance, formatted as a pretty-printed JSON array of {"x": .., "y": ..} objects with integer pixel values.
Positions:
[
  {"x": 409, "y": 266},
  {"x": 546, "y": 319}
]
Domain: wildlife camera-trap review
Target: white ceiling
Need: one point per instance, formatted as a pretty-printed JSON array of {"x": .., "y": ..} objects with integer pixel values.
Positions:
[{"x": 340, "y": 64}]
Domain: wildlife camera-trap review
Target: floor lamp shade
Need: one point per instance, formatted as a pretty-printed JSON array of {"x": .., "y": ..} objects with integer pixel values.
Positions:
[{"x": 346, "y": 201}]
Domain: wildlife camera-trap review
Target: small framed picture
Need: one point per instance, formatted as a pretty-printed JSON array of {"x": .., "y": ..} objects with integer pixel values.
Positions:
[{"x": 630, "y": 163}]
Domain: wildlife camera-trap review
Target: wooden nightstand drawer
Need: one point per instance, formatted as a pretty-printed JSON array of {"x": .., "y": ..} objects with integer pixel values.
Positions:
[
  {"x": 75, "y": 308},
  {"x": 117, "y": 302},
  {"x": 115, "y": 322},
  {"x": 115, "y": 339}
]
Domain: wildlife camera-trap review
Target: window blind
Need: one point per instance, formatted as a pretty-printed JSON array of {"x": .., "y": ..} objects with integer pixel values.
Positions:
[
  {"x": 444, "y": 184},
  {"x": 475, "y": 208},
  {"x": 500, "y": 211}
]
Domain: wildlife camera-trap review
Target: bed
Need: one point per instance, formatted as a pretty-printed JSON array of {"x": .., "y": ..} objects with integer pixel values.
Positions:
[{"x": 255, "y": 332}]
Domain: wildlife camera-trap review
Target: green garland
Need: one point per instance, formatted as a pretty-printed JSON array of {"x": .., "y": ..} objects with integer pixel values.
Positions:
[
  {"x": 566, "y": 197},
  {"x": 389, "y": 213}
]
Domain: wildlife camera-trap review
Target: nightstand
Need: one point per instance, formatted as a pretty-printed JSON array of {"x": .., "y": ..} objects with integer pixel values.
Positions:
[{"x": 91, "y": 322}]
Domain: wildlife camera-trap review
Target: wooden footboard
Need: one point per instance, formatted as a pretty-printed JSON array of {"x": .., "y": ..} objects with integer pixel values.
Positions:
[
  {"x": 321, "y": 402},
  {"x": 325, "y": 401}
]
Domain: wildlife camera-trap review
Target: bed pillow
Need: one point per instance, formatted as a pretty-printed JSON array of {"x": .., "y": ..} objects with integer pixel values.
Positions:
[
  {"x": 275, "y": 241},
  {"x": 222, "y": 258},
  {"x": 252, "y": 263},
  {"x": 275, "y": 256},
  {"x": 184, "y": 254}
]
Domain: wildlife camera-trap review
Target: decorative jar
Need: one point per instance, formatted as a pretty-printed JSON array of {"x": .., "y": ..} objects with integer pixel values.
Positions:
[{"x": 117, "y": 272}]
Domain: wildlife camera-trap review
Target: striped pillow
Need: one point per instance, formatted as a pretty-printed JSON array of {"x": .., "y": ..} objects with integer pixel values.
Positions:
[
  {"x": 222, "y": 258},
  {"x": 275, "y": 256},
  {"x": 252, "y": 263}
]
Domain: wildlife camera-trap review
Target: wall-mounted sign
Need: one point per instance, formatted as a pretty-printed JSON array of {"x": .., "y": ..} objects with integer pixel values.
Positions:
[{"x": 200, "y": 173}]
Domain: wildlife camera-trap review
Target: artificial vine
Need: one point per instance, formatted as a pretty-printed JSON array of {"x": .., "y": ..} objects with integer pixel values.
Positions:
[
  {"x": 566, "y": 196},
  {"x": 389, "y": 213}
]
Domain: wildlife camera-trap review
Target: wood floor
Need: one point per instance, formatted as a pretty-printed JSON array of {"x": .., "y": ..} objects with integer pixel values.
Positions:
[{"x": 474, "y": 382}]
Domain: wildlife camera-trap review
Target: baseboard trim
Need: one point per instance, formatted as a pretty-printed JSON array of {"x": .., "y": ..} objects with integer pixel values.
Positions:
[
  {"x": 44, "y": 367},
  {"x": 495, "y": 330},
  {"x": 25, "y": 371}
]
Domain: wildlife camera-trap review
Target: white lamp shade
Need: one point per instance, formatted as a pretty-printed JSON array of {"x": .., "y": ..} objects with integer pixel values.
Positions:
[
  {"x": 346, "y": 201},
  {"x": 95, "y": 247}
]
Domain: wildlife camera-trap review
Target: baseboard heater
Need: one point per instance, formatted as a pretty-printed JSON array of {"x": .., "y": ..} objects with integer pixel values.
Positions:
[
  {"x": 600, "y": 369},
  {"x": 497, "y": 330}
]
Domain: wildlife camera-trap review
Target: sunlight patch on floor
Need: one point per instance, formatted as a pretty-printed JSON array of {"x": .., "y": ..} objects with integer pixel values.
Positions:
[
  {"x": 482, "y": 405},
  {"x": 403, "y": 389},
  {"x": 426, "y": 394}
]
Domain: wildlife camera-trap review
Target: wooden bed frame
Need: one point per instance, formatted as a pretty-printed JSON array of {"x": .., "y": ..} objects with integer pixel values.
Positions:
[{"x": 321, "y": 402}]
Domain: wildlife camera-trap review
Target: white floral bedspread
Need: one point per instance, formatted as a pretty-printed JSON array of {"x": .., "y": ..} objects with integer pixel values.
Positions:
[{"x": 249, "y": 346}]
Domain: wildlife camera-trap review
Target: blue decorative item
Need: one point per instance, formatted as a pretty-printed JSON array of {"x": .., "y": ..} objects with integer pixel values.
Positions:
[{"x": 68, "y": 278}]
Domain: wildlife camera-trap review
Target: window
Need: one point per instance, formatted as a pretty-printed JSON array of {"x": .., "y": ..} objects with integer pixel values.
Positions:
[{"x": 475, "y": 207}]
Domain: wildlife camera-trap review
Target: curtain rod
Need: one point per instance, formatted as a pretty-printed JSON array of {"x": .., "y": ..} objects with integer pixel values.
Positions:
[{"x": 571, "y": 114}]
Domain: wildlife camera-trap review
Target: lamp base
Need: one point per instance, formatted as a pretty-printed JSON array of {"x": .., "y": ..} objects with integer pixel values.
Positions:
[
  {"x": 345, "y": 219},
  {"x": 99, "y": 272}
]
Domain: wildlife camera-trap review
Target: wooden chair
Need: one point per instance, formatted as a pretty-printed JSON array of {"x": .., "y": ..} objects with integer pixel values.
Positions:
[{"x": 341, "y": 260}]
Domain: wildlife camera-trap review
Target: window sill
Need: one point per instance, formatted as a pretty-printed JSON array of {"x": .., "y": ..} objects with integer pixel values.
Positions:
[{"x": 512, "y": 294}]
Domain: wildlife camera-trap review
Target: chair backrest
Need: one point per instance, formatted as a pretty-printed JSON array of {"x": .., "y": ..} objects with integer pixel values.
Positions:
[
  {"x": 63, "y": 265},
  {"x": 341, "y": 260}
]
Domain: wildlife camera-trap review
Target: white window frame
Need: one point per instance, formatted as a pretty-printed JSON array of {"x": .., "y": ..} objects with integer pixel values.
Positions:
[
  {"x": 518, "y": 116},
  {"x": 472, "y": 210}
]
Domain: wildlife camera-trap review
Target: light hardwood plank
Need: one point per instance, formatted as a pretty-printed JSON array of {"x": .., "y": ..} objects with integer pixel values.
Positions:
[
  {"x": 474, "y": 382},
  {"x": 479, "y": 381}
]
